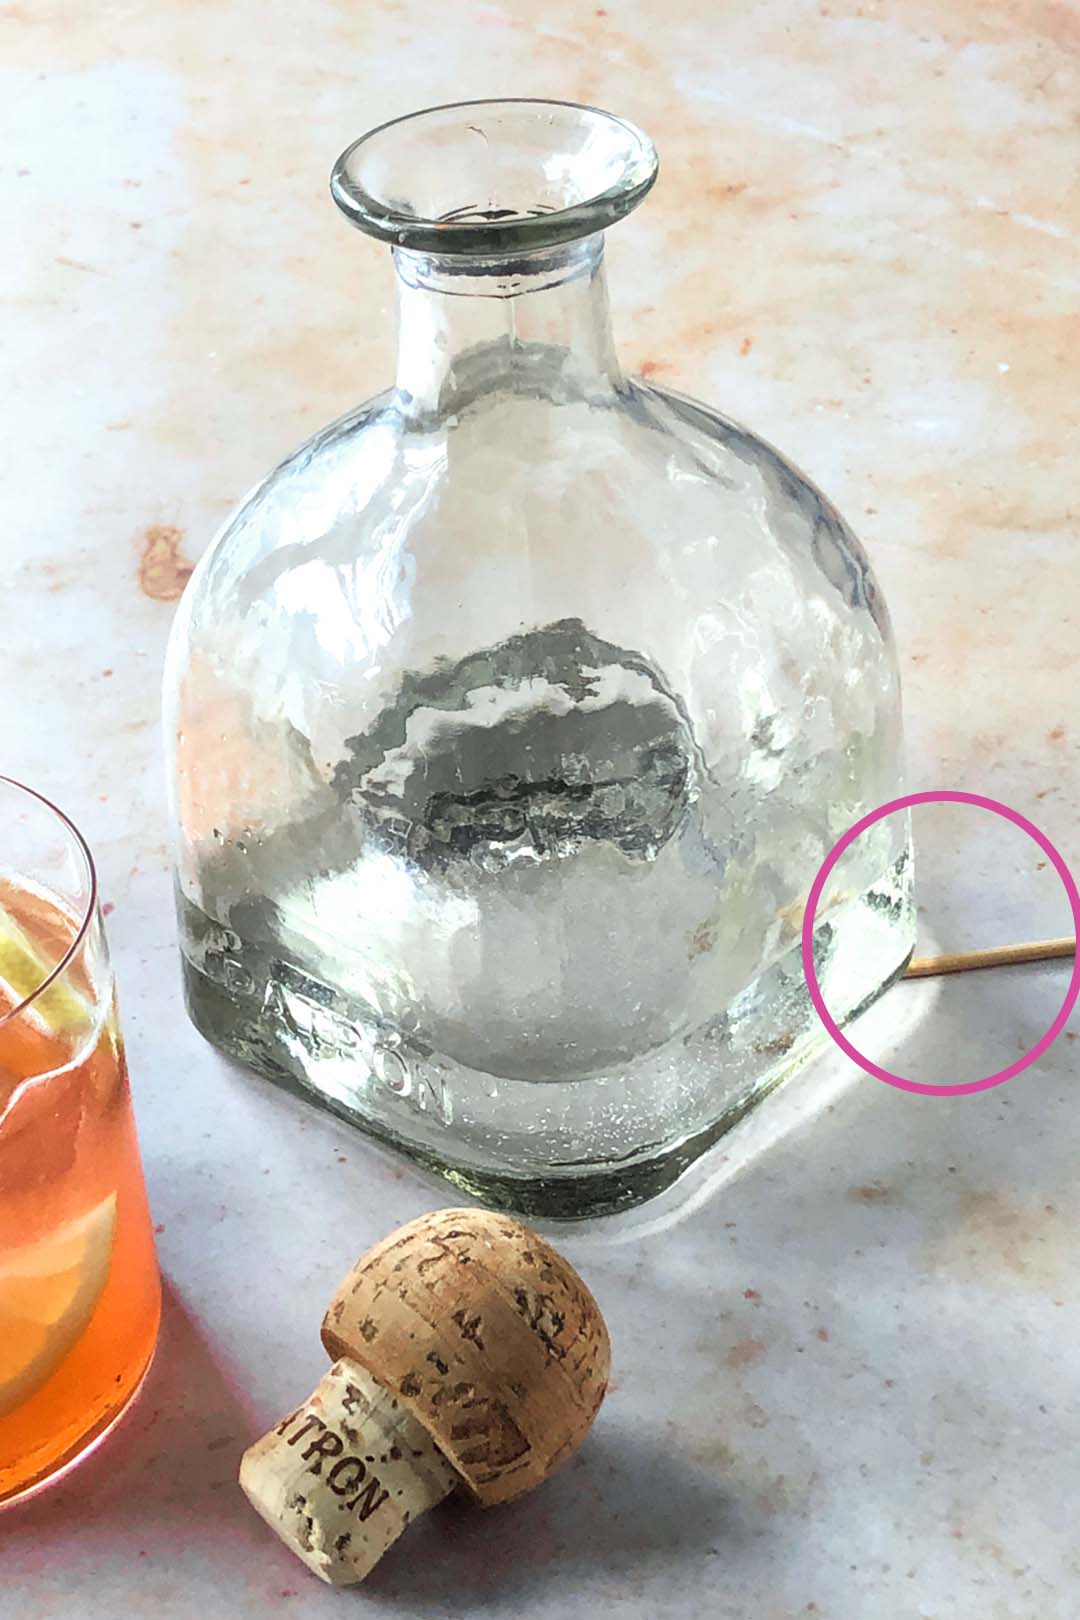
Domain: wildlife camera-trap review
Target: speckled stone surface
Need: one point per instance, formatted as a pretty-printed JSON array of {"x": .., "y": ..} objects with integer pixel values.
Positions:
[{"x": 846, "y": 1385}]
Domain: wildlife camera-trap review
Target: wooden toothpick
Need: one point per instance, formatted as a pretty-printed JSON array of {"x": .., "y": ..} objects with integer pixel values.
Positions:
[{"x": 1040, "y": 950}]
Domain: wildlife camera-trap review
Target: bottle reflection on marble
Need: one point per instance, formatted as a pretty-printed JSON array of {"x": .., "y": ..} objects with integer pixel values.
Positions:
[{"x": 514, "y": 715}]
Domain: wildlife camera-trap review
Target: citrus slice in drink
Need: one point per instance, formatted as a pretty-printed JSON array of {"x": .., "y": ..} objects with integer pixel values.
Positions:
[
  {"x": 23, "y": 969},
  {"x": 48, "y": 1292}
]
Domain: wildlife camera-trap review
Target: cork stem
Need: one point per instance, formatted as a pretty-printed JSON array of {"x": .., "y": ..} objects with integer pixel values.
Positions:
[{"x": 340, "y": 1478}]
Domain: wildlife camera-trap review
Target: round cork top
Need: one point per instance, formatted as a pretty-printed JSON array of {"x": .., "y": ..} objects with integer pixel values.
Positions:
[{"x": 487, "y": 1335}]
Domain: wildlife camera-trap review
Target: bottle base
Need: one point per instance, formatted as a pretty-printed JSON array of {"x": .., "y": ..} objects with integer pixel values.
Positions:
[{"x": 561, "y": 1151}]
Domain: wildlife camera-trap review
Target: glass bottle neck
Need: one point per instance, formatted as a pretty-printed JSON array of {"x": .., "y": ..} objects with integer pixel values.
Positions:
[{"x": 468, "y": 327}]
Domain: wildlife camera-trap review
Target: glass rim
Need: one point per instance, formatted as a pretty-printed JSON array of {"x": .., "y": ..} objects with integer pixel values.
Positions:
[
  {"x": 428, "y": 233},
  {"x": 91, "y": 898}
]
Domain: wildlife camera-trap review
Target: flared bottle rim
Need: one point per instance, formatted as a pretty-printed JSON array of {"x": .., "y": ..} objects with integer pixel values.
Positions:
[{"x": 486, "y": 178}]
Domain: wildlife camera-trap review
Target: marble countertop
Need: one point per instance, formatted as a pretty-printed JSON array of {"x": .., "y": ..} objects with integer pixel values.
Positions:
[{"x": 846, "y": 1382}]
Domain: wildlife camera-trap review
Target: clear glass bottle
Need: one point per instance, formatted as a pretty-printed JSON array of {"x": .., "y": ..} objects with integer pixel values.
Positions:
[{"x": 514, "y": 714}]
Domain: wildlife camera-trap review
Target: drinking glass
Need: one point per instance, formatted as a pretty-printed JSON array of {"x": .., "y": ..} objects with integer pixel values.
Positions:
[{"x": 79, "y": 1286}]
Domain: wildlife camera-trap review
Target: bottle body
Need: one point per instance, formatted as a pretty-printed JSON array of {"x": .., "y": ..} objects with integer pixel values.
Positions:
[{"x": 511, "y": 727}]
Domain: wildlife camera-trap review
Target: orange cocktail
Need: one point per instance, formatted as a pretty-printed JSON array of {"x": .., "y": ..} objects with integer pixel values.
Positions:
[{"x": 79, "y": 1289}]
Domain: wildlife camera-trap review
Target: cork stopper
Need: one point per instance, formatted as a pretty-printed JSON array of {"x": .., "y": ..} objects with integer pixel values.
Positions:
[
  {"x": 489, "y": 1338},
  {"x": 466, "y": 1351}
]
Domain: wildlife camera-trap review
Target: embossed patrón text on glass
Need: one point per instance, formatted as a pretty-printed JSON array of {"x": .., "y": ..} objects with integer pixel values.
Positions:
[{"x": 512, "y": 717}]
